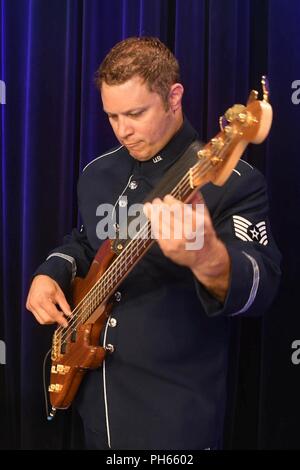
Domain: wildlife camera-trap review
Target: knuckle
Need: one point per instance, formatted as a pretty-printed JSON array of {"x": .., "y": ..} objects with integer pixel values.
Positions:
[{"x": 156, "y": 201}]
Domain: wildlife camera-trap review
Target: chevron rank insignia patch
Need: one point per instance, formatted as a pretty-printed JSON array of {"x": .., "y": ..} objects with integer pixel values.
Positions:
[{"x": 247, "y": 231}]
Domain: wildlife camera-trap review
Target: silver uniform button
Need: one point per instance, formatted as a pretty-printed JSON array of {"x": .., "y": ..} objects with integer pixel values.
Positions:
[
  {"x": 123, "y": 202},
  {"x": 110, "y": 348},
  {"x": 133, "y": 185},
  {"x": 118, "y": 296},
  {"x": 112, "y": 322}
]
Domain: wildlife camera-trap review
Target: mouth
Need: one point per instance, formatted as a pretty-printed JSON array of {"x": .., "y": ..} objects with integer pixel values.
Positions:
[{"x": 132, "y": 145}]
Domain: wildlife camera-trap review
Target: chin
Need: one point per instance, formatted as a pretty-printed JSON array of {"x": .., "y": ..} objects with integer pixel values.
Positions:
[{"x": 140, "y": 156}]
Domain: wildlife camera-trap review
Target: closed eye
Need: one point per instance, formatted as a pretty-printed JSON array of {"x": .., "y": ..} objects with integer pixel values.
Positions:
[
  {"x": 112, "y": 116},
  {"x": 132, "y": 114},
  {"x": 136, "y": 114}
]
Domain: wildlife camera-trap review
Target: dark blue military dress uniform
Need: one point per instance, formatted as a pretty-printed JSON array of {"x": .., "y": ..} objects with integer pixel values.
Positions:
[{"x": 163, "y": 385}]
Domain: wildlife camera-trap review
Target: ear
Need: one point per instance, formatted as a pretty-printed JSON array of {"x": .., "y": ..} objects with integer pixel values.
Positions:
[{"x": 175, "y": 96}]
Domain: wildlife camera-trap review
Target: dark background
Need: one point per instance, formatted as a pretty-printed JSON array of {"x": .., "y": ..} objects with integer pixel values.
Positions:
[{"x": 52, "y": 125}]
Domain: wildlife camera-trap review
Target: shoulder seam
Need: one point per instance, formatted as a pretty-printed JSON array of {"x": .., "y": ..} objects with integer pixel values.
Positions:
[
  {"x": 246, "y": 163},
  {"x": 101, "y": 156},
  {"x": 237, "y": 172}
]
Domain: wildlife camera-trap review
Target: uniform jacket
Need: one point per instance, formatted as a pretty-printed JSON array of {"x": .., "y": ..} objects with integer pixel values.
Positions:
[{"x": 164, "y": 384}]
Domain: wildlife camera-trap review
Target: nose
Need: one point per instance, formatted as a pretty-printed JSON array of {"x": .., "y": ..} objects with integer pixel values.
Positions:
[{"x": 124, "y": 128}]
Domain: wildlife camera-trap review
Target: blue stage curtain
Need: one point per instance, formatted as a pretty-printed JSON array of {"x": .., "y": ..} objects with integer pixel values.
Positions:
[{"x": 52, "y": 124}]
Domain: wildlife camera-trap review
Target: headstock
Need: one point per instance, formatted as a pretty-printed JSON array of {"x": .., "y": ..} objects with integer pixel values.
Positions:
[{"x": 240, "y": 126}]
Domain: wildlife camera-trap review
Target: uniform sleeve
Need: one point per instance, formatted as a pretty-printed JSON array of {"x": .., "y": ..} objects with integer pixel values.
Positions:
[
  {"x": 240, "y": 217},
  {"x": 71, "y": 259}
]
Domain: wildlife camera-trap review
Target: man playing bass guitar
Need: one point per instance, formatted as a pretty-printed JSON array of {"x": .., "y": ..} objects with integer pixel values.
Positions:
[{"x": 162, "y": 384}]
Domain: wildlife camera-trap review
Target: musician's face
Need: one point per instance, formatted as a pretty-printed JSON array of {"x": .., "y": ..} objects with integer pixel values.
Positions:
[{"x": 139, "y": 117}]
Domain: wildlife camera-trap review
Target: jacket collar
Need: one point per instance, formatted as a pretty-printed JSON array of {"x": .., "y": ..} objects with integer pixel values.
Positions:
[{"x": 169, "y": 154}]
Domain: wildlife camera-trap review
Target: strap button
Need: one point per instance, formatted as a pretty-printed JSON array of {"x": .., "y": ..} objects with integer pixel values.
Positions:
[
  {"x": 110, "y": 348},
  {"x": 133, "y": 185},
  {"x": 112, "y": 322}
]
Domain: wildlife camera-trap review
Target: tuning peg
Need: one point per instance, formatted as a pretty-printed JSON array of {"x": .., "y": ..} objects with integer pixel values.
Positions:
[
  {"x": 253, "y": 96},
  {"x": 237, "y": 112},
  {"x": 223, "y": 122},
  {"x": 266, "y": 88},
  {"x": 217, "y": 144},
  {"x": 216, "y": 160},
  {"x": 204, "y": 153},
  {"x": 230, "y": 130}
]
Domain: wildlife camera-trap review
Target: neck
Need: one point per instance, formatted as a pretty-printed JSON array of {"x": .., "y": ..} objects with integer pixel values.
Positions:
[
  {"x": 178, "y": 115},
  {"x": 176, "y": 123}
]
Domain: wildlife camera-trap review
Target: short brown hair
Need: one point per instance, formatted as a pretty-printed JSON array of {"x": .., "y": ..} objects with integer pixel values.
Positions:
[{"x": 146, "y": 57}]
